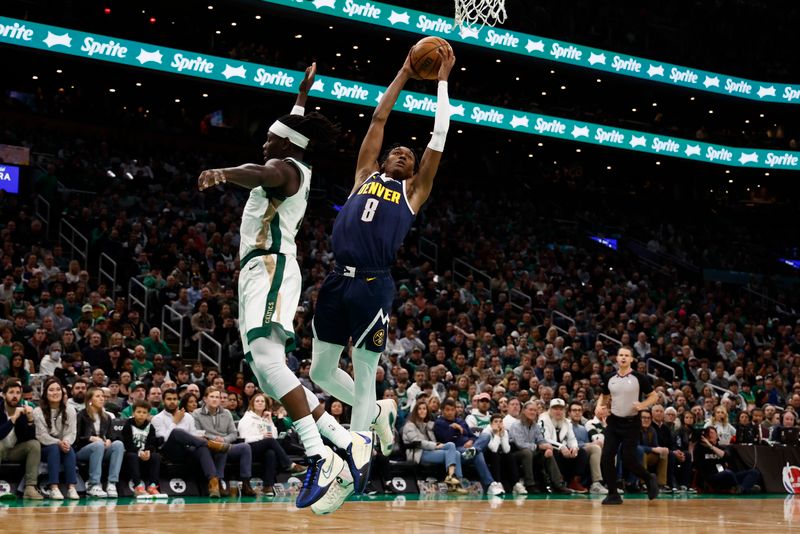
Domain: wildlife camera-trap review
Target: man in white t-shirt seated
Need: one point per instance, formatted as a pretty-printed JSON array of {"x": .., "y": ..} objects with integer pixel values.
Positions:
[{"x": 180, "y": 436}]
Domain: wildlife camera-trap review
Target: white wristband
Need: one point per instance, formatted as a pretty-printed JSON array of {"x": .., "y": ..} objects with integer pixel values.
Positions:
[
  {"x": 298, "y": 110},
  {"x": 442, "y": 121}
]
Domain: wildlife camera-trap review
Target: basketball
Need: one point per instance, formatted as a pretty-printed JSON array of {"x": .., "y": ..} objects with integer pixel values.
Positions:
[{"x": 425, "y": 59}]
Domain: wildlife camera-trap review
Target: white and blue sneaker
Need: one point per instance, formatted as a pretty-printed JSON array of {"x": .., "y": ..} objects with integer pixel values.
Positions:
[
  {"x": 384, "y": 423},
  {"x": 339, "y": 491},
  {"x": 321, "y": 475},
  {"x": 359, "y": 458}
]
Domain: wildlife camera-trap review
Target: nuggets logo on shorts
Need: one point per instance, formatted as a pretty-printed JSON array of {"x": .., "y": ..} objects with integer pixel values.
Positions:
[{"x": 377, "y": 339}]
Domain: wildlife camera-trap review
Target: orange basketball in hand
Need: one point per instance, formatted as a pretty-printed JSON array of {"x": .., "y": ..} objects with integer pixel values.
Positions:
[{"x": 425, "y": 58}]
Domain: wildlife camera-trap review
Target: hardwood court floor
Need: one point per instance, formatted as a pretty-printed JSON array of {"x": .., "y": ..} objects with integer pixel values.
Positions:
[{"x": 410, "y": 515}]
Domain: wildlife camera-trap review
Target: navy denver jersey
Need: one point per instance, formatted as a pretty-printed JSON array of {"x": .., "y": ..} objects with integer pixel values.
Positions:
[{"x": 372, "y": 224}]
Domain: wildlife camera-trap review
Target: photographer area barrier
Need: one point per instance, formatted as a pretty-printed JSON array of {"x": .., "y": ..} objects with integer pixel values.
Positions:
[{"x": 769, "y": 460}]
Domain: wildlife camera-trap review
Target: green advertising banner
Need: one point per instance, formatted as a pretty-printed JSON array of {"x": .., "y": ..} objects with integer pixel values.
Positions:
[
  {"x": 410, "y": 20},
  {"x": 206, "y": 67}
]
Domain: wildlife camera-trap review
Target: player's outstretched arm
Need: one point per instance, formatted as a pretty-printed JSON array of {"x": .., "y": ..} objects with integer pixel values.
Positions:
[
  {"x": 273, "y": 174},
  {"x": 305, "y": 86},
  {"x": 371, "y": 145},
  {"x": 420, "y": 185}
]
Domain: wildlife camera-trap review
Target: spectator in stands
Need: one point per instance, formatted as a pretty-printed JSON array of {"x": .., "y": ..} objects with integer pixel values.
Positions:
[
  {"x": 530, "y": 446},
  {"x": 480, "y": 417},
  {"x": 36, "y": 347},
  {"x": 98, "y": 379},
  {"x": 498, "y": 456},
  {"x": 56, "y": 430},
  {"x": 202, "y": 321},
  {"x": 779, "y": 434},
  {"x": 712, "y": 463},
  {"x": 684, "y": 439},
  {"x": 138, "y": 326},
  {"x": 257, "y": 429},
  {"x": 153, "y": 344},
  {"x": 61, "y": 322},
  {"x": 93, "y": 443},
  {"x": 746, "y": 431},
  {"x": 593, "y": 449},
  {"x": 77, "y": 398},
  {"x": 198, "y": 375},
  {"x": 652, "y": 452},
  {"x": 154, "y": 398},
  {"x": 571, "y": 459},
  {"x": 137, "y": 393},
  {"x": 141, "y": 365},
  {"x": 18, "y": 436},
  {"x": 95, "y": 354},
  {"x": 448, "y": 429},
  {"x": 512, "y": 412},
  {"x": 217, "y": 425},
  {"x": 141, "y": 451},
  {"x": 726, "y": 432},
  {"x": 52, "y": 360},
  {"x": 175, "y": 426},
  {"x": 422, "y": 447},
  {"x": 190, "y": 402},
  {"x": 16, "y": 370}
]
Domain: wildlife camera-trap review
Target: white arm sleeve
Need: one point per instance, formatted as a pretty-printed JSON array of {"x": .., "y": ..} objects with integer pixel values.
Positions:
[
  {"x": 298, "y": 110},
  {"x": 442, "y": 122}
]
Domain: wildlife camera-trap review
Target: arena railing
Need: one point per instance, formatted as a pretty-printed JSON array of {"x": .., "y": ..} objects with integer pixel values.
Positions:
[
  {"x": 429, "y": 250},
  {"x": 139, "y": 294},
  {"x": 609, "y": 338},
  {"x": 655, "y": 362},
  {"x": 75, "y": 240},
  {"x": 214, "y": 357},
  {"x": 515, "y": 296},
  {"x": 105, "y": 273},
  {"x": 168, "y": 314},
  {"x": 462, "y": 270},
  {"x": 41, "y": 209}
]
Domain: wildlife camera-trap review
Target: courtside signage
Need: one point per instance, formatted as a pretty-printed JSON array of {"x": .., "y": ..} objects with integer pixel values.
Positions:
[
  {"x": 181, "y": 62},
  {"x": 410, "y": 20}
]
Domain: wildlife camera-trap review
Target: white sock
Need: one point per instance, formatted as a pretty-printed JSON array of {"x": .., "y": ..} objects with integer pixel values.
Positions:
[
  {"x": 365, "y": 363},
  {"x": 332, "y": 430},
  {"x": 309, "y": 435},
  {"x": 326, "y": 373}
]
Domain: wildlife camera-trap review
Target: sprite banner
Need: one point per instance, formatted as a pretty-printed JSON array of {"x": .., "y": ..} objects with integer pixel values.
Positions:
[
  {"x": 206, "y": 67},
  {"x": 400, "y": 18}
]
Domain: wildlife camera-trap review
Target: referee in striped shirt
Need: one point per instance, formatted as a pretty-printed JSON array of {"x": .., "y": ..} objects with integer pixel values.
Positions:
[{"x": 624, "y": 390}]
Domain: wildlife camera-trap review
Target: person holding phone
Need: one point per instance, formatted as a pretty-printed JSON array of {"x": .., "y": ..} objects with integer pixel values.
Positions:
[{"x": 712, "y": 463}]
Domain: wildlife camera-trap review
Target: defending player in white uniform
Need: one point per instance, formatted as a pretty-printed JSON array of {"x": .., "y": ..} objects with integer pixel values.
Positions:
[{"x": 269, "y": 291}]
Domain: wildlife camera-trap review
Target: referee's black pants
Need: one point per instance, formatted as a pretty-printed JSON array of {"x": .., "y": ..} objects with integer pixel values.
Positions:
[{"x": 621, "y": 431}]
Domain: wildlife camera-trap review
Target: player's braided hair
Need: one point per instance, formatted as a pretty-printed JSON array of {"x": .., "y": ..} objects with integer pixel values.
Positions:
[{"x": 316, "y": 126}]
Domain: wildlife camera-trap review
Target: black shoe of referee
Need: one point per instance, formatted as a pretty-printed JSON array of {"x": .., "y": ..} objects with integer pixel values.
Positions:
[
  {"x": 652, "y": 487},
  {"x": 612, "y": 498}
]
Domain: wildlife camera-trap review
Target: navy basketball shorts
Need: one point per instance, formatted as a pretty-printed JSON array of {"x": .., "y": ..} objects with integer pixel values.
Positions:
[{"x": 356, "y": 308}]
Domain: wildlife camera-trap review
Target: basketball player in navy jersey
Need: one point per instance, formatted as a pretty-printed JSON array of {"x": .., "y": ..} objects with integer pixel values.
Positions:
[{"x": 355, "y": 300}]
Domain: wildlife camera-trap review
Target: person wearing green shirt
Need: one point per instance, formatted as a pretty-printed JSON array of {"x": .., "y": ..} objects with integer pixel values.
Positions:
[
  {"x": 141, "y": 365},
  {"x": 138, "y": 393},
  {"x": 155, "y": 345}
]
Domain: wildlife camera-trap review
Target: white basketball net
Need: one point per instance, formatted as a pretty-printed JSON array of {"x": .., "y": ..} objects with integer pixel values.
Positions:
[{"x": 480, "y": 12}]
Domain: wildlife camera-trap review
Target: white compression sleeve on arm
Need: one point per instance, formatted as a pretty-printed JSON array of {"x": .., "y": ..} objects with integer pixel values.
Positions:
[
  {"x": 442, "y": 122},
  {"x": 298, "y": 110}
]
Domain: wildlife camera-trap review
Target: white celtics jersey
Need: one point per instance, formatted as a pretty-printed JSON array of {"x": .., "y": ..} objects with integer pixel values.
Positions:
[{"x": 270, "y": 221}]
